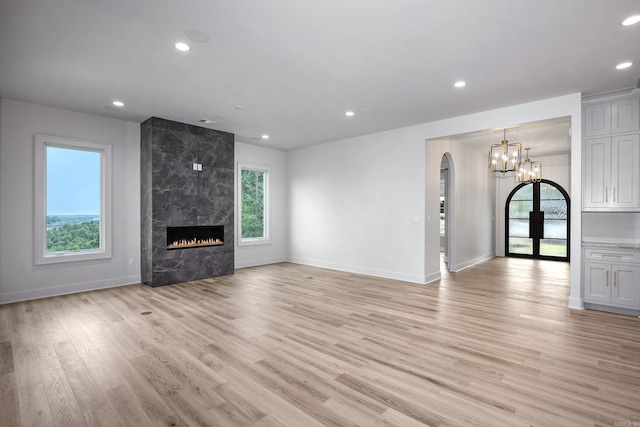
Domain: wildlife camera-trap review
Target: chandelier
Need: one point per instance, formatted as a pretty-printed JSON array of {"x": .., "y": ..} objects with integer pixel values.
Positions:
[
  {"x": 529, "y": 171},
  {"x": 505, "y": 157}
]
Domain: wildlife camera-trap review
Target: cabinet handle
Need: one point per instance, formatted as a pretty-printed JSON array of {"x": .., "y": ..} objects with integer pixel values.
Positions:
[
  {"x": 614, "y": 194},
  {"x": 607, "y": 283},
  {"x": 606, "y": 194},
  {"x": 611, "y": 256},
  {"x": 615, "y": 278}
]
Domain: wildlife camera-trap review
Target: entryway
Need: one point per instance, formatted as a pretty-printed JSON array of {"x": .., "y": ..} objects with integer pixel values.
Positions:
[{"x": 537, "y": 222}]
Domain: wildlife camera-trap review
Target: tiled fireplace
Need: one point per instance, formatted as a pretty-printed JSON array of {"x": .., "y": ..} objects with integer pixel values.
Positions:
[{"x": 187, "y": 202}]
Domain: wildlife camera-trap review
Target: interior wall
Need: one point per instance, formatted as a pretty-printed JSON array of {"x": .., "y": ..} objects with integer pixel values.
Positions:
[
  {"x": 20, "y": 279},
  {"x": 358, "y": 205},
  {"x": 275, "y": 250},
  {"x": 554, "y": 168},
  {"x": 353, "y": 203}
]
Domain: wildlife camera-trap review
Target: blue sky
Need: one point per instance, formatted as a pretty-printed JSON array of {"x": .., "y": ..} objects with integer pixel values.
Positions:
[{"x": 73, "y": 182}]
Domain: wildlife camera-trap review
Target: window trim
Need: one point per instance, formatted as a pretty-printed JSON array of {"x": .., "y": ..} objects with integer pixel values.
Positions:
[
  {"x": 40, "y": 200},
  {"x": 267, "y": 214}
]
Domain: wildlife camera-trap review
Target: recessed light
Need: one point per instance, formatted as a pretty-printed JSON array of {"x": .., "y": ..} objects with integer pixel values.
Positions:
[
  {"x": 239, "y": 107},
  {"x": 623, "y": 65},
  {"x": 183, "y": 47},
  {"x": 631, "y": 20},
  {"x": 460, "y": 83},
  {"x": 349, "y": 113},
  {"x": 265, "y": 136},
  {"x": 118, "y": 103},
  {"x": 197, "y": 36},
  {"x": 408, "y": 32}
]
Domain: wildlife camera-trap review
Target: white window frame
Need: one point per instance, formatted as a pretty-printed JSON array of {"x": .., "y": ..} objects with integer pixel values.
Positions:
[
  {"x": 40, "y": 175},
  {"x": 267, "y": 214}
]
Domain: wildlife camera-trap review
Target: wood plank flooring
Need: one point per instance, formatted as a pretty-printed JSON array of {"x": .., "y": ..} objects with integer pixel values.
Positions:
[{"x": 291, "y": 345}]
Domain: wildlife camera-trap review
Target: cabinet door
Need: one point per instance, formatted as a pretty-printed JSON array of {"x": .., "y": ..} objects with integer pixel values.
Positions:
[
  {"x": 597, "y": 282},
  {"x": 625, "y": 174},
  {"x": 625, "y": 287},
  {"x": 597, "y": 119},
  {"x": 597, "y": 172},
  {"x": 625, "y": 115}
]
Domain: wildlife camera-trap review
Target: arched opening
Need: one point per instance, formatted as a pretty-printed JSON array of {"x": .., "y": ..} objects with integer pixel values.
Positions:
[
  {"x": 537, "y": 222},
  {"x": 447, "y": 189}
]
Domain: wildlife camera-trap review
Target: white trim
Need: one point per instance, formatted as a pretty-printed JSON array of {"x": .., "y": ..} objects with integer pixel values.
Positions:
[
  {"x": 40, "y": 202},
  {"x": 259, "y": 261},
  {"x": 68, "y": 289},
  {"x": 478, "y": 260},
  {"x": 267, "y": 213},
  {"x": 386, "y": 274}
]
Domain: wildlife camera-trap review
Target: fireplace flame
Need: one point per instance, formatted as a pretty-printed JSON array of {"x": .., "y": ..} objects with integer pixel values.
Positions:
[{"x": 193, "y": 243}]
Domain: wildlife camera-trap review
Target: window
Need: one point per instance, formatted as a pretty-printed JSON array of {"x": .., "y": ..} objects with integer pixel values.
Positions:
[
  {"x": 253, "y": 207},
  {"x": 72, "y": 200}
]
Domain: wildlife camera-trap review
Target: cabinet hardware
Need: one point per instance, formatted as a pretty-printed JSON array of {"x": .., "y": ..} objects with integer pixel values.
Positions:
[
  {"x": 615, "y": 278},
  {"x": 607, "y": 282},
  {"x": 614, "y": 194},
  {"x": 606, "y": 194},
  {"x": 611, "y": 256}
]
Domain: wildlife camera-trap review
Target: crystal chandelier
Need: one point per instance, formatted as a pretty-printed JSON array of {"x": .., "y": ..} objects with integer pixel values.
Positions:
[
  {"x": 529, "y": 171},
  {"x": 505, "y": 157}
]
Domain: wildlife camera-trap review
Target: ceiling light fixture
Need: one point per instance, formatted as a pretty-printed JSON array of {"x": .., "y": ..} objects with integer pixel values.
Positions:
[
  {"x": 631, "y": 20},
  {"x": 460, "y": 83},
  {"x": 624, "y": 65},
  {"x": 182, "y": 47},
  {"x": 505, "y": 157},
  {"x": 349, "y": 113},
  {"x": 118, "y": 103},
  {"x": 265, "y": 136},
  {"x": 529, "y": 171}
]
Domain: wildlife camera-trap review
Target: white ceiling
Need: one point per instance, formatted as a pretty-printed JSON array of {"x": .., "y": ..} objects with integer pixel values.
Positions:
[{"x": 296, "y": 66}]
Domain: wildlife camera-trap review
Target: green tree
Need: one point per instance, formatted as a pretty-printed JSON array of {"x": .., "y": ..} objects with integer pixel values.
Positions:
[
  {"x": 74, "y": 237},
  {"x": 252, "y": 204}
]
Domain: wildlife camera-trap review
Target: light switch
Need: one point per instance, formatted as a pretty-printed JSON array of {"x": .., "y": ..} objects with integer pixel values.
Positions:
[
  {"x": 200, "y": 167},
  {"x": 195, "y": 166}
]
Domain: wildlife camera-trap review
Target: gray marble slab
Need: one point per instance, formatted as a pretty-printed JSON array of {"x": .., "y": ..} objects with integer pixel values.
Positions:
[{"x": 174, "y": 194}]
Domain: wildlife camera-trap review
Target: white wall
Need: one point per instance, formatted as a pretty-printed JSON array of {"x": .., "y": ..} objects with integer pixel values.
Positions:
[
  {"x": 358, "y": 205},
  {"x": 275, "y": 251},
  {"x": 352, "y": 203},
  {"x": 20, "y": 279},
  {"x": 554, "y": 168}
]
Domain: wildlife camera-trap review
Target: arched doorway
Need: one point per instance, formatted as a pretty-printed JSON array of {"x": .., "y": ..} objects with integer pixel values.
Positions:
[
  {"x": 447, "y": 209},
  {"x": 537, "y": 223}
]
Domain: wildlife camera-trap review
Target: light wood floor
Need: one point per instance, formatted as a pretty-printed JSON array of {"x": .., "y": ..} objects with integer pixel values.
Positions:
[{"x": 289, "y": 345}]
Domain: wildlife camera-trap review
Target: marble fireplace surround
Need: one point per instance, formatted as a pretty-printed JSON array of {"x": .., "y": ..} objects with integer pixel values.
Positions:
[{"x": 186, "y": 180}]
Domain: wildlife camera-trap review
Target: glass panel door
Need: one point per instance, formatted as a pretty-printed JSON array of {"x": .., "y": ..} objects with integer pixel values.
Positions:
[
  {"x": 519, "y": 241},
  {"x": 537, "y": 221},
  {"x": 554, "y": 206}
]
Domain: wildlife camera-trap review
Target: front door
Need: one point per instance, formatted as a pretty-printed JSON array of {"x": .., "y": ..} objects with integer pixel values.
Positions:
[{"x": 537, "y": 221}]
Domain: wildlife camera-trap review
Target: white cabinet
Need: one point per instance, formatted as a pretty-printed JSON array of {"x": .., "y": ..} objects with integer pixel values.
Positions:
[
  {"x": 606, "y": 118},
  {"x": 612, "y": 277},
  {"x": 612, "y": 173}
]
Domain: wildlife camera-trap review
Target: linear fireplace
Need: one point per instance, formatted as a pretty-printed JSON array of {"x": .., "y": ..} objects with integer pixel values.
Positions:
[
  {"x": 187, "y": 228},
  {"x": 195, "y": 236}
]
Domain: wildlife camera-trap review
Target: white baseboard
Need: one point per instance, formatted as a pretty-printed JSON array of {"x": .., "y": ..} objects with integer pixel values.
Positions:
[
  {"x": 258, "y": 261},
  {"x": 67, "y": 289},
  {"x": 474, "y": 261},
  {"x": 395, "y": 275}
]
